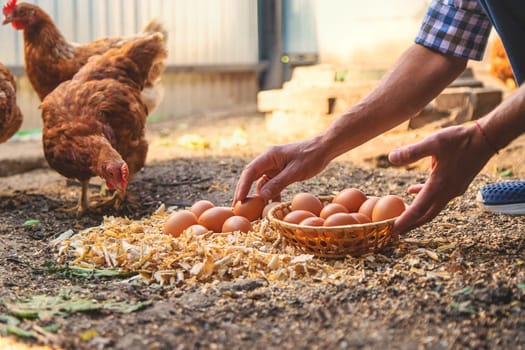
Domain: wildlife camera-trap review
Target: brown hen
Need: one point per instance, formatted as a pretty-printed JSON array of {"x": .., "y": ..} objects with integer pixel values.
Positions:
[
  {"x": 10, "y": 115},
  {"x": 500, "y": 65},
  {"x": 50, "y": 59},
  {"x": 94, "y": 124}
]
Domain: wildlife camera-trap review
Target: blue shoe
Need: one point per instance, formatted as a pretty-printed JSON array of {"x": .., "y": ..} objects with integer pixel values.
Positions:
[{"x": 506, "y": 197}]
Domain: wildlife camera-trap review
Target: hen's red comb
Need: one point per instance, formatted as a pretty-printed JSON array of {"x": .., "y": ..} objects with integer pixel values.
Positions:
[
  {"x": 125, "y": 172},
  {"x": 9, "y": 7}
]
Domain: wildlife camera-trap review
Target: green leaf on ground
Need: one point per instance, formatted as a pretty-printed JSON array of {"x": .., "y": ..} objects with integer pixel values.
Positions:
[
  {"x": 126, "y": 308},
  {"x": 52, "y": 328},
  {"x": 463, "y": 307},
  {"x": 93, "y": 273},
  {"x": 464, "y": 291},
  {"x": 30, "y": 223},
  {"x": 40, "y": 306},
  {"x": 50, "y": 267},
  {"x": 507, "y": 173},
  {"x": 20, "y": 332}
]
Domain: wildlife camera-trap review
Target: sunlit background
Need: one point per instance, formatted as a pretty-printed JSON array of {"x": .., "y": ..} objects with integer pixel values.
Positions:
[{"x": 222, "y": 52}]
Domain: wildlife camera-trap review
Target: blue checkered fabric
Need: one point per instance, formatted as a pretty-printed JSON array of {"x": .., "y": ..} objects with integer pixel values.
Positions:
[{"x": 456, "y": 27}]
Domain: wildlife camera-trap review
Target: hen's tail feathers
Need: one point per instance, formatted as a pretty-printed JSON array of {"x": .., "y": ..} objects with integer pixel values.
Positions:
[
  {"x": 155, "y": 26},
  {"x": 152, "y": 49},
  {"x": 147, "y": 51},
  {"x": 11, "y": 118}
]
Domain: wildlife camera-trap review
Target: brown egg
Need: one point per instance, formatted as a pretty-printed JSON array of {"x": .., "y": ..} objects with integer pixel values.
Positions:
[
  {"x": 312, "y": 221},
  {"x": 340, "y": 219},
  {"x": 351, "y": 198},
  {"x": 296, "y": 216},
  {"x": 268, "y": 207},
  {"x": 368, "y": 206},
  {"x": 200, "y": 206},
  {"x": 197, "y": 230},
  {"x": 214, "y": 218},
  {"x": 178, "y": 222},
  {"x": 307, "y": 201},
  {"x": 251, "y": 207},
  {"x": 332, "y": 208},
  {"x": 237, "y": 223},
  {"x": 388, "y": 207},
  {"x": 361, "y": 218}
]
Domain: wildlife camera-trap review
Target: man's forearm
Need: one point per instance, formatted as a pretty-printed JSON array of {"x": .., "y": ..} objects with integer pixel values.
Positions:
[
  {"x": 418, "y": 77},
  {"x": 506, "y": 122}
]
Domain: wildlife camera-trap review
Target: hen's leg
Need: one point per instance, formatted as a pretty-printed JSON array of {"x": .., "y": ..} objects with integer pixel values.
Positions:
[
  {"x": 119, "y": 201},
  {"x": 116, "y": 199},
  {"x": 82, "y": 205},
  {"x": 103, "y": 194}
]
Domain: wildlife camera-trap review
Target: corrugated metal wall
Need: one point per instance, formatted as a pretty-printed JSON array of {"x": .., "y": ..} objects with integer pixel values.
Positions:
[
  {"x": 210, "y": 33},
  {"x": 201, "y": 31}
]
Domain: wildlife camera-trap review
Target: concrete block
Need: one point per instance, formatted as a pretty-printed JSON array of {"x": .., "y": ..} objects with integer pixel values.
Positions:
[
  {"x": 466, "y": 79},
  {"x": 296, "y": 125},
  {"x": 349, "y": 93},
  {"x": 452, "y": 98},
  {"x": 480, "y": 97},
  {"x": 468, "y": 103},
  {"x": 21, "y": 156},
  {"x": 341, "y": 95},
  {"x": 428, "y": 115},
  {"x": 485, "y": 100},
  {"x": 312, "y": 75},
  {"x": 305, "y": 100}
]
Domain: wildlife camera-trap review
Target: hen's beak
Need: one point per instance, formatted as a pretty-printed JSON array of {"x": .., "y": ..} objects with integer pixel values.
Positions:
[
  {"x": 120, "y": 189},
  {"x": 121, "y": 192},
  {"x": 7, "y": 19}
]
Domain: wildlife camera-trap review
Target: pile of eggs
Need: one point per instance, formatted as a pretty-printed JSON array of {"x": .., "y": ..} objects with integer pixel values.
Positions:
[
  {"x": 349, "y": 207},
  {"x": 203, "y": 216}
]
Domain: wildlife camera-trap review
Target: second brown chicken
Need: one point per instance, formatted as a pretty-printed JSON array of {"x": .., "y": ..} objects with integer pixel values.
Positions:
[
  {"x": 94, "y": 124},
  {"x": 10, "y": 115}
]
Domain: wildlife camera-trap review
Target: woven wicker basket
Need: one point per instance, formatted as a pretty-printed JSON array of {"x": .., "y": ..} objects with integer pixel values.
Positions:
[{"x": 334, "y": 241}]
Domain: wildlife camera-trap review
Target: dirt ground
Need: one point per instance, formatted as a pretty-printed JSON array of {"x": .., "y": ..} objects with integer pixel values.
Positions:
[{"x": 458, "y": 282}]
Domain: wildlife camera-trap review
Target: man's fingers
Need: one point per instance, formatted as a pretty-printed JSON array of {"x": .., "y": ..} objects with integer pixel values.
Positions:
[
  {"x": 272, "y": 189},
  {"x": 426, "y": 206},
  {"x": 244, "y": 184},
  {"x": 260, "y": 183},
  {"x": 411, "y": 153},
  {"x": 415, "y": 189}
]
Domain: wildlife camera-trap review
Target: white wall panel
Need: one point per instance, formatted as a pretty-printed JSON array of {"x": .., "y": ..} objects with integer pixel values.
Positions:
[
  {"x": 202, "y": 32},
  {"x": 9, "y": 41}
]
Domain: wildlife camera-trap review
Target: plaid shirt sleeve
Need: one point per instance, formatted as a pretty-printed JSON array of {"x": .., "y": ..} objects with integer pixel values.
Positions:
[{"x": 455, "y": 27}]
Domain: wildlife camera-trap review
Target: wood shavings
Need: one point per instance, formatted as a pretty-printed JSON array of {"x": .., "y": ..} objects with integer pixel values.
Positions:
[{"x": 139, "y": 246}]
